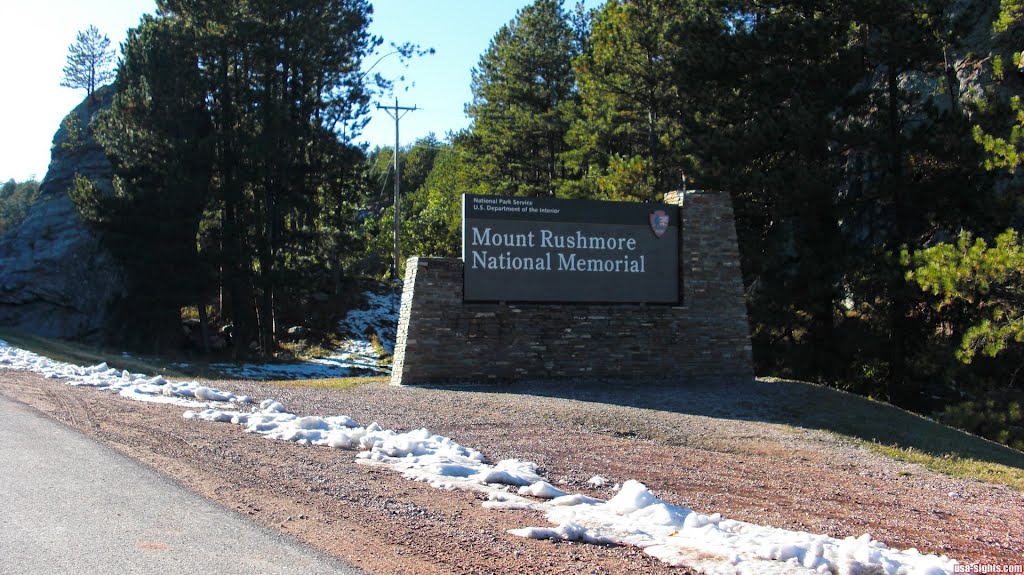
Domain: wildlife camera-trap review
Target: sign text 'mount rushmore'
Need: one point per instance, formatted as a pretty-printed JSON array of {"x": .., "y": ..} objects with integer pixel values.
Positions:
[{"x": 548, "y": 250}]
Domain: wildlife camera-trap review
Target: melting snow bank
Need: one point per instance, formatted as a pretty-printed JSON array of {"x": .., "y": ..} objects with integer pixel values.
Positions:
[
  {"x": 418, "y": 454},
  {"x": 131, "y": 385},
  {"x": 635, "y": 516},
  {"x": 712, "y": 544}
]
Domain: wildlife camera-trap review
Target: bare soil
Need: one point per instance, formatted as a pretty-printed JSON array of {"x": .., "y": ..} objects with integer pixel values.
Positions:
[{"x": 709, "y": 446}]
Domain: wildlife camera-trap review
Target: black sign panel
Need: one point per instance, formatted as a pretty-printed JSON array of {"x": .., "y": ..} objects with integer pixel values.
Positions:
[{"x": 548, "y": 250}]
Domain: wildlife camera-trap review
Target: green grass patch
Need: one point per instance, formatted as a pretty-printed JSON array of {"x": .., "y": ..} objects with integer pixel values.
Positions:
[
  {"x": 954, "y": 465},
  {"x": 337, "y": 383}
]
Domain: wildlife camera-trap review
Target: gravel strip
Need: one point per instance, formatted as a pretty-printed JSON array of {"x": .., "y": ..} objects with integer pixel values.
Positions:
[{"x": 705, "y": 445}]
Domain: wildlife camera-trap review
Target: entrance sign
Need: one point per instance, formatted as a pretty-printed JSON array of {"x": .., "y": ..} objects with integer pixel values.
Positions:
[{"x": 549, "y": 250}]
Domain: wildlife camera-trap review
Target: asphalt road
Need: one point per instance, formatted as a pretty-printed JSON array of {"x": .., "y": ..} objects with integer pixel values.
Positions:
[{"x": 69, "y": 505}]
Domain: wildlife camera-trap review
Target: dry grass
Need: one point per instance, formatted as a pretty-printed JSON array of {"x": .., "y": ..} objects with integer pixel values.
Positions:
[{"x": 956, "y": 466}]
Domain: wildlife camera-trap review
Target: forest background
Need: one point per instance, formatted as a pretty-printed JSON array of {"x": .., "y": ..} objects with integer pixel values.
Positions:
[{"x": 876, "y": 192}]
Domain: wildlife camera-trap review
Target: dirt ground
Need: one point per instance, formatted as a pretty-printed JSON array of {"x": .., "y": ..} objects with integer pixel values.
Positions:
[{"x": 695, "y": 445}]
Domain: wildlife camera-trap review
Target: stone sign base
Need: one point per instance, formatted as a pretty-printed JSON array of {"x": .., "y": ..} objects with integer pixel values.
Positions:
[{"x": 442, "y": 339}]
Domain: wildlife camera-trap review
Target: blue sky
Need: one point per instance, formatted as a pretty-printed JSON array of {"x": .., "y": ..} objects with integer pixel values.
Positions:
[{"x": 35, "y": 35}]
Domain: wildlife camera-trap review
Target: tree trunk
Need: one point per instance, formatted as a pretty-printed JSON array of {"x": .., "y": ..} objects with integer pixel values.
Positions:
[
  {"x": 899, "y": 300},
  {"x": 204, "y": 325}
]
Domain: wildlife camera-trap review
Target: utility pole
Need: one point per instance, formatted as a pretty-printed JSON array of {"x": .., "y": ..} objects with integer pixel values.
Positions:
[{"x": 396, "y": 112}]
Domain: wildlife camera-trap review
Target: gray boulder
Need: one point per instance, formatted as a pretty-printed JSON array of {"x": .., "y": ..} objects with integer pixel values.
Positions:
[{"x": 56, "y": 279}]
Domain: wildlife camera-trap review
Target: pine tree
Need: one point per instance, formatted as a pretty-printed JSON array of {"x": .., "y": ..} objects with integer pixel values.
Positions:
[
  {"x": 629, "y": 138},
  {"x": 90, "y": 62},
  {"x": 15, "y": 200},
  {"x": 260, "y": 164},
  {"x": 988, "y": 278},
  {"x": 159, "y": 137},
  {"x": 911, "y": 175},
  {"x": 524, "y": 91},
  {"x": 761, "y": 127}
]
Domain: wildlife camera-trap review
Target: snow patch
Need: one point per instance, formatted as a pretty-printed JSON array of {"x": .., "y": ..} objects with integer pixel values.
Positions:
[
  {"x": 130, "y": 385},
  {"x": 542, "y": 490},
  {"x": 355, "y": 357},
  {"x": 715, "y": 545}
]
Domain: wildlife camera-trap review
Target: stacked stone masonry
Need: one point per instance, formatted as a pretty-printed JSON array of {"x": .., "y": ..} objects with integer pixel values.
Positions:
[{"x": 441, "y": 339}]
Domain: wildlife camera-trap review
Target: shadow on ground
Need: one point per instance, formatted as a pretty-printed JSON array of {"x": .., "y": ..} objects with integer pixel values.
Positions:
[{"x": 791, "y": 403}]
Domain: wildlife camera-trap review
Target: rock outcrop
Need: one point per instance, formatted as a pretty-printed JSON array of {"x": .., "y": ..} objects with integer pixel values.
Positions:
[{"x": 56, "y": 279}]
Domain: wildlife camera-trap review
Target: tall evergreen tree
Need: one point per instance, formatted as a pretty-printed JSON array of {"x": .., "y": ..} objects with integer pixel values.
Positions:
[
  {"x": 766, "y": 134},
  {"x": 911, "y": 174},
  {"x": 630, "y": 139},
  {"x": 159, "y": 137},
  {"x": 277, "y": 91},
  {"x": 973, "y": 307},
  {"x": 524, "y": 92}
]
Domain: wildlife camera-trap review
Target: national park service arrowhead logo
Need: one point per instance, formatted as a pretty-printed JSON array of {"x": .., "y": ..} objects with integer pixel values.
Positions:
[{"x": 659, "y": 223}]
